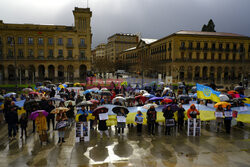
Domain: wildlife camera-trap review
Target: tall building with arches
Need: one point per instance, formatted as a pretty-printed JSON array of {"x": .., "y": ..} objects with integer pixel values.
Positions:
[{"x": 54, "y": 52}]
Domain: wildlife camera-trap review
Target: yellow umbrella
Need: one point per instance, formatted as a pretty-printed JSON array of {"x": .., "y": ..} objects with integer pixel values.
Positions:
[
  {"x": 77, "y": 84},
  {"x": 56, "y": 110},
  {"x": 223, "y": 104}
]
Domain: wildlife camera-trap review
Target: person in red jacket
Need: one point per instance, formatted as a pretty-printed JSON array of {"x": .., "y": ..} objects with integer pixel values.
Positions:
[{"x": 192, "y": 112}]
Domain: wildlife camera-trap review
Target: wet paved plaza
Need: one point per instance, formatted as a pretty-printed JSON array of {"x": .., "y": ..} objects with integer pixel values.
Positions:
[{"x": 210, "y": 149}]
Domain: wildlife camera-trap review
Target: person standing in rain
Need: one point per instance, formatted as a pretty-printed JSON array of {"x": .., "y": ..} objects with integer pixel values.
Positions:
[
  {"x": 168, "y": 113},
  {"x": 228, "y": 119},
  {"x": 121, "y": 125},
  {"x": 151, "y": 119},
  {"x": 11, "y": 118},
  {"x": 102, "y": 125},
  {"x": 139, "y": 121},
  {"x": 51, "y": 116},
  {"x": 219, "y": 118},
  {"x": 181, "y": 116}
]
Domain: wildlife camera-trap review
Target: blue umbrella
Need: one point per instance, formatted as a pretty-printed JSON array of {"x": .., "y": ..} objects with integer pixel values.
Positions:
[
  {"x": 155, "y": 98},
  {"x": 88, "y": 91},
  {"x": 9, "y": 94},
  {"x": 56, "y": 99},
  {"x": 148, "y": 95}
]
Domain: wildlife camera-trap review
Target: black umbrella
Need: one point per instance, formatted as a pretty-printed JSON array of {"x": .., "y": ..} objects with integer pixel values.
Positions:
[
  {"x": 118, "y": 109},
  {"x": 62, "y": 94},
  {"x": 105, "y": 93},
  {"x": 84, "y": 103},
  {"x": 51, "y": 85},
  {"x": 238, "y": 88}
]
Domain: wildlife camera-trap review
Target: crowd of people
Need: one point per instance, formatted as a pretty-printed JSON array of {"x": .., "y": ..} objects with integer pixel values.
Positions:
[{"x": 57, "y": 109}]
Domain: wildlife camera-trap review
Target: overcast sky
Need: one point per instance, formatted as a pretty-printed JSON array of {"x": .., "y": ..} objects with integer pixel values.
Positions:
[{"x": 152, "y": 18}]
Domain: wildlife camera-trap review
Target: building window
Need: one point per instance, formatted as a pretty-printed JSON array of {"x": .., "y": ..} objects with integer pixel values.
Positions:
[
  {"x": 51, "y": 53},
  {"x": 182, "y": 44},
  {"x": 30, "y": 41},
  {"x": 190, "y": 45},
  {"x": 40, "y": 53},
  {"x": 198, "y": 45},
  {"x": 40, "y": 41},
  {"x": 234, "y": 47},
  {"x": 20, "y": 40},
  {"x": 9, "y": 40},
  {"x": 220, "y": 46},
  {"x": 20, "y": 53},
  {"x": 1, "y": 52},
  {"x": 182, "y": 55},
  {"x": 242, "y": 56},
  {"x": 205, "y": 46},
  {"x": 70, "y": 53},
  {"x": 213, "y": 46},
  {"x": 82, "y": 42},
  {"x": 60, "y": 53},
  {"x": 50, "y": 41},
  {"x": 10, "y": 53},
  {"x": 70, "y": 41},
  {"x": 205, "y": 56},
  {"x": 234, "y": 57},
  {"x": 227, "y": 47},
  {"x": 30, "y": 53},
  {"x": 198, "y": 56},
  {"x": 82, "y": 54},
  {"x": 212, "y": 56},
  {"x": 241, "y": 48},
  {"x": 227, "y": 56},
  {"x": 190, "y": 56},
  {"x": 220, "y": 56},
  {"x": 60, "y": 41}
]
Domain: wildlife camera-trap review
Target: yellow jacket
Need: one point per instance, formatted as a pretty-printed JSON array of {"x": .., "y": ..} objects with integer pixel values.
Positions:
[{"x": 41, "y": 123}]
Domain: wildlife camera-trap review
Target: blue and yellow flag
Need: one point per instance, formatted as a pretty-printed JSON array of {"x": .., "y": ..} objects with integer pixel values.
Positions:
[{"x": 205, "y": 92}]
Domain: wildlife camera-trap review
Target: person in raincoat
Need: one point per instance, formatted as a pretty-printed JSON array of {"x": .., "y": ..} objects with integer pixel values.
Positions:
[
  {"x": 139, "y": 121},
  {"x": 192, "y": 112},
  {"x": 121, "y": 125},
  {"x": 61, "y": 116},
  {"x": 41, "y": 124},
  {"x": 228, "y": 119},
  {"x": 219, "y": 118},
  {"x": 151, "y": 120},
  {"x": 168, "y": 113}
]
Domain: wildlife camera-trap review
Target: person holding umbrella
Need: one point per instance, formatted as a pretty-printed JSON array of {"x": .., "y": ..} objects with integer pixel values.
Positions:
[
  {"x": 151, "y": 119},
  {"x": 102, "y": 125},
  {"x": 168, "y": 113},
  {"x": 61, "y": 118},
  {"x": 41, "y": 124},
  {"x": 121, "y": 125}
]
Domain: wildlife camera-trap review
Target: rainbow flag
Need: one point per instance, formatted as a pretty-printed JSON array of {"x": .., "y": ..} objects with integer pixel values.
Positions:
[{"x": 205, "y": 92}]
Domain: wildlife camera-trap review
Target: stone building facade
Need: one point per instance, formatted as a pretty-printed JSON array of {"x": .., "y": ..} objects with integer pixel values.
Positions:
[
  {"x": 192, "y": 56},
  {"x": 39, "y": 52}
]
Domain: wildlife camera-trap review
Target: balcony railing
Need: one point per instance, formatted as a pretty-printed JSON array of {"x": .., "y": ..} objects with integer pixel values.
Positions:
[
  {"x": 69, "y": 45},
  {"x": 82, "y": 46},
  {"x": 50, "y": 57},
  {"x": 20, "y": 57},
  {"x": 169, "y": 49},
  {"x": 82, "y": 58},
  {"x": 41, "y": 57}
]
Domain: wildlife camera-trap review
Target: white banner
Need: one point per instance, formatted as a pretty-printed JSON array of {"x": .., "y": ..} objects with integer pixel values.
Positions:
[
  {"x": 103, "y": 116},
  {"x": 121, "y": 119},
  {"x": 219, "y": 114}
]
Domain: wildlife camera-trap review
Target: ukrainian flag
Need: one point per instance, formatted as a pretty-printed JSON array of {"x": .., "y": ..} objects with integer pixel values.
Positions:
[{"x": 205, "y": 92}]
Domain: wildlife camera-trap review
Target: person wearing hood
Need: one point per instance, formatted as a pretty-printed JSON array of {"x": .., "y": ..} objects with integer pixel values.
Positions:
[
  {"x": 151, "y": 120},
  {"x": 192, "y": 112},
  {"x": 168, "y": 113}
]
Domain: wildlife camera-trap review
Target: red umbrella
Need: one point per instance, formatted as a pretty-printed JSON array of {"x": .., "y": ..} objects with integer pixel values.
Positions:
[
  {"x": 167, "y": 100},
  {"x": 34, "y": 93},
  {"x": 142, "y": 98},
  {"x": 94, "y": 101},
  {"x": 100, "y": 110}
]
